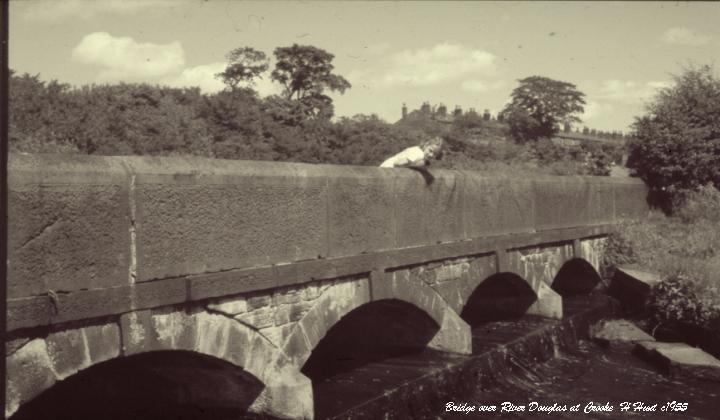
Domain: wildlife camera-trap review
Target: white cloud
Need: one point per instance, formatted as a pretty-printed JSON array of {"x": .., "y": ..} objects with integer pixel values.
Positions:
[
  {"x": 54, "y": 11},
  {"x": 481, "y": 86},
  {"x": 439, "y": 64},
  {"x": 203, "y": 76},
  {"x": 685, "y": 36},
  {"x": 595, "y": 109},
  {"x": 629, "y": 91},
  {"x": 123, "y": 58}
]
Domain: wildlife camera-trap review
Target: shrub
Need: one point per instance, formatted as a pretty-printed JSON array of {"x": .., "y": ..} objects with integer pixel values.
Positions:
[
  {"x": 700, "y": 204},
  {"x": 677, "y": 144}
]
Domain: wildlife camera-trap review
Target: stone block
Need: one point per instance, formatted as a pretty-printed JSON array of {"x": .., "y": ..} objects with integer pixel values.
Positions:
[
  {"x": 496, "y": 206},
  {"x": 679, "y": 359},
  {"x": 335, "y": 303},
  {"x": 258, "y": 301},
  {"x": 103, "y": 342},
  {"x": 29, "y": 373},
  {"x": 618, "y": 334},
  {"x": 138, "y": 333},
  {"x": 70, "y": 226},
  {"x": 68, "y": 352},
  {"x": 282, "y": 315},
  {"x": 212, "y": 334},
  {"x": 204, "y": 215},
  {"x": 428, "y": 214},
  {"x": 278, "y": 335},
  {"x": 360, "y": 217},
  {"x": 175, "y": 330},
  {"x": 259, "y": 318},
  {"x": 297, "y": 346},
  {"x": 289, "y": 295},
  {"x": 238, "y": 343},
  {"x": 601, "y": 204},
  {"x": 230, "y": 307},
  {"x": 560, "y": 202},
  {"x": 632, "y": 288}
]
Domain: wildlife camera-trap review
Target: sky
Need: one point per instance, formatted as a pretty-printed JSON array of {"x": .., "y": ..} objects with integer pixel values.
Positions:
[{"x": 470, "y": 54}]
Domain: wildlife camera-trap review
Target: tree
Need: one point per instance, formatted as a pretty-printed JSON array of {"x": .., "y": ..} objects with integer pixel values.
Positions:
[
  {"x": 539, "y": 105},
  {"x": 306, "y": 74},
  {"x": 244, "y": 64},
  {"x": 676, "y": 145}
]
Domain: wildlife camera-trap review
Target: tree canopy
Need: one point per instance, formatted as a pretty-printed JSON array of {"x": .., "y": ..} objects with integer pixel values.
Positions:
[
  {"x": 306, "y": 73},
  {"x": 676, "y": 145},
  {"x": 539, "y": 105},
  {"x": 244, "y": 64}
]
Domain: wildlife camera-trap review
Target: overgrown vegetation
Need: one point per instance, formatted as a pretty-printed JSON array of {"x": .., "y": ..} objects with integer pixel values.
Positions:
[
  {"x": 677, "y": 143},
  {"x": 685, "y": 250},
  {"x": 140, "y": 119}
]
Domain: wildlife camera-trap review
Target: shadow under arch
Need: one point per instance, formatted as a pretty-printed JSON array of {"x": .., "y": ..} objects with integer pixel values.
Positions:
[
  {"x": 371, "y": 332},
  {"x": 576, "y": 277},
  {"x": 501, "y": 296},
  {"x": 172, "y": 384}
]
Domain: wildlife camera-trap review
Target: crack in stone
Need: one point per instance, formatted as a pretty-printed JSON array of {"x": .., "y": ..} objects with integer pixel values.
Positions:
[
  {"x": 245, "y": 324},
  {"x": 45, "y": 230}
]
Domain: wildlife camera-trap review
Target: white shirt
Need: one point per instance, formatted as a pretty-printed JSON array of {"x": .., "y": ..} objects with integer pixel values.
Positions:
[{"x": 412, "y": 156}]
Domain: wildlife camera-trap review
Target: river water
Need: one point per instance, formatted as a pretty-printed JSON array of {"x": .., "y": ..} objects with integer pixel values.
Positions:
[{"x": 525, "y": 363}]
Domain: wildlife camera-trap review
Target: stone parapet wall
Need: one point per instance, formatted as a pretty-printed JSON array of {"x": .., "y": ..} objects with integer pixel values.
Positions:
[{"x": 120, "y": 233}]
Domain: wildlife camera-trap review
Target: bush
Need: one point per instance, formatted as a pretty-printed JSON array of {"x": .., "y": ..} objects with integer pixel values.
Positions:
[
  {"x": 700, "y": 204},
  {"x": 677, "y": 144},
  {"x": 687, "y": 256}
]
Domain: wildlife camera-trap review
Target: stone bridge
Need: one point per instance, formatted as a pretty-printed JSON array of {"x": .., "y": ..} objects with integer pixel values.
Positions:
[{"x": 252, "y": 263}]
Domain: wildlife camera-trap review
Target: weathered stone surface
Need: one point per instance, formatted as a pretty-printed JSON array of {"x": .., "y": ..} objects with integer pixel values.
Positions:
[
  {"x": 539, "y": 264},
  {"x": 632, "y": 287},
  {"x": 288, "y": 393},
  {"x": 202, "y": 215},
  {"x": 601, "y": 204},
  {"x": 592, "y": 251},
  {"x": 494, "y": 206},
  {"x": 428, "y": 214},
  {"x": 618, "y": 334},
  {"x": 454, "y": 333},
  {"x": 138, "y": 334},
  {"x": 360, "y": 216},
  {"x": 68, "y": 352},
  {"x": 69, "y": 219},
  {"x": 548, "y": 303},
  {"x": 232, "y": 306},
  {"x": 259, "y": 318},
  {"x": 680, "y": 359},
  {"x": 175, "y": 330},
  {"x": 103, "y": 342},
  {"x": 333, "y": 304},
  {"x": 630, "y": 198},
  {"x": 11, "y": 346},
  {"x": 29, "y": 372},
  {"x": 560, "y": 202}
]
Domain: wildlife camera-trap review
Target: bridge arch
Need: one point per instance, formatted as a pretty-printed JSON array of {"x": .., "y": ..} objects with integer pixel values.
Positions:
[
  {"x": 501, "y": 296},
  {"x": 344, "y": 297},
  {"x": 577, "y": 276},
  {"x": 286, "y": 392}
]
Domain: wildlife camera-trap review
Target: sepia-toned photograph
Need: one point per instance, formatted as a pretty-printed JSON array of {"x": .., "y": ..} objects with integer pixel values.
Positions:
[{"x": 382, "y": 210}]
